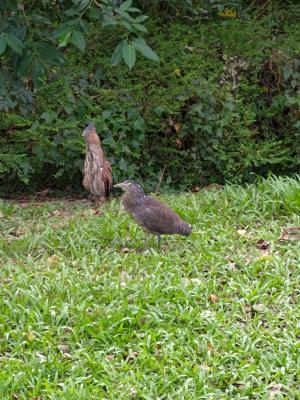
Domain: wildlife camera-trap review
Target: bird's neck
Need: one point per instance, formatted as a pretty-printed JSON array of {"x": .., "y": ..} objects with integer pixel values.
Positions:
[
  {"x": 94, "y": 147},
  {"x": 131, "y": 200}
]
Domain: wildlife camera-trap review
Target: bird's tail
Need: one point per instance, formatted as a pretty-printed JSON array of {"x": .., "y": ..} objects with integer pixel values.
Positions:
[{"x": 185, "y": 229}]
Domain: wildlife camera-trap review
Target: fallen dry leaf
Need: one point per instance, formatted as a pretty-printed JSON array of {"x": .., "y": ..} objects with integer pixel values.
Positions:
[
  {"x": 124, "y": 250},
  {"x": 177, "y": 127},
  {"x": 249, "y": 310},
  {"x": 110, "y": 357},
  {"x": 44, "y": 192},
  {"x": 210, "y": 346},
  {"x": 133, "y": 391},
  {"x": 189, "y": 48},
  {"x": 178, "y": 143},
  {"x": 67, "y": 355},
  {"x": 207, "y": 314},
  {"x": 124, "y": 276},
  {"x": 177, "y": 71},
  {"x": 242, "y": 232},
  {"x": 259, "y": 307},
  {"x": 262, "y": 244},
  {"x": 97, "y": 212},
  {"x": 41, "y": 356},
  {"x": 291, "y": 233},
  {"x": 231, "y": 266},
  {"x": 64, "y": 348},
  {"x": 239, "y": 385},
  {"x": 68, "y": 329},
  {"x": 204, "y": 367},
  {"x": 213, "y": 298},
  {"x": 275, "y": 388},
  {"x": 131, "y": 356},
  {"x": 52, "y": 260},
  {"x": 30, "y": 336},
  {"x": 196, "y": 189},
  {"x": 55, "y": 213},
  {"x": 265, "y": 258},
  {"x": 213, "y": 186},
  {"x": 18, "y": 232}
]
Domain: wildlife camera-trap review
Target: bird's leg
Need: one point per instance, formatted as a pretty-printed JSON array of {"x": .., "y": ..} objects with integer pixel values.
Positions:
[{"x": 158, "y": 240}]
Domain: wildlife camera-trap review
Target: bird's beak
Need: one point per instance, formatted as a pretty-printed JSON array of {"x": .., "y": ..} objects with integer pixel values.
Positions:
[
  {"x": 87, "y": 129},
  {"x": 118, "y": 185}
]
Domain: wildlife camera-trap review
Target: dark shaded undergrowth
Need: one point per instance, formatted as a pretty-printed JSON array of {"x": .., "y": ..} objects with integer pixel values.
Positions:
[{"x": 222, "y": 105}]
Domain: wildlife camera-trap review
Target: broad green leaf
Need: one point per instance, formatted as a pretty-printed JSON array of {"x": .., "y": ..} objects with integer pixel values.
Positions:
[
  {"x": 77, "y": 7},
  {"x": 49, "y": 116},
  {"x": 37, "y": 73},
  {"x": 141, "y": 46},
  {"x": 124, "y": 6},
  {"x": 83, "y": 4},
  {"x": 64, "y": 40},
  {"x": 117, "y": 54},
  {"x": 133, "y": 9},
  {"x": 123, "y": 165},
  {"x": 140, "y": 27},
  {"x": 140, "y": 18},
  {"x": 48, "y": 53},
  {"x": 127, "y": 25},
  {"x": 129, "y": 54},
  {"x": 78, "y": 40},
  {"x": 94, "y": 13},
  {"x": 84, "y": 25},
  {"x": 294, "y": 83},
  {"x": 20, "y": 33},
  {"x": 287, "y": 73},
  {"x": 14, "y": 43},
  {"x": 2, "y": 44},
  {"x": 25, "y": 63},
  {"x": 124, "y": 14},
  {"x": 108, "y": 21},
  {"x": 63, "y": 29},
  {"x": 159, "y": 110},
  {"x": 39, "y": 19},
  {"x": 71, "y": 12}
]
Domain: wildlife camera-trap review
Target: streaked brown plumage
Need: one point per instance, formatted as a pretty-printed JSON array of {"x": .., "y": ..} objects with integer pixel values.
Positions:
[
  {"x": 97, "y": 173},
  {"x": 153, "y": 216}
]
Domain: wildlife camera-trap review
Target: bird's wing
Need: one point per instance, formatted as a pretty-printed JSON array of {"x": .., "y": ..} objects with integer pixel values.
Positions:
[
  {"x": 157, "y": 217},
  {"x": 93, "y": 169},
  {"x": 107, "y": 176}
]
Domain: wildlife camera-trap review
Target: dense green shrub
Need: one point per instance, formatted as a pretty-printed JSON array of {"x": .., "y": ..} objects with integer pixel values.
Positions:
[
  {"x": 220, "y": 138},
  {"x": 223, "y": 104}
]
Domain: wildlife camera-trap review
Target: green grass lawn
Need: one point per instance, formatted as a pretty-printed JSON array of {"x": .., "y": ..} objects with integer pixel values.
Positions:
[{"x": 91, "y": 308}]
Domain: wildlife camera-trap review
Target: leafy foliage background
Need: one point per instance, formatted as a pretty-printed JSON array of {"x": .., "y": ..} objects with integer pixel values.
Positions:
[{"x": 221, "y": 104}]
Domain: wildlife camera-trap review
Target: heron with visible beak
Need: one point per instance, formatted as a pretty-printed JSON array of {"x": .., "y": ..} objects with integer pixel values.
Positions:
[
  {"x": 97, "y": 172},
  {"x": 152, "y": 215}
]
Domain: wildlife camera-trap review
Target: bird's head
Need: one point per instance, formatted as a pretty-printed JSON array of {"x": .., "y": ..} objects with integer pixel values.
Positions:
[
  {"x": 131, "y": 187},
  {"x": 90, "y": 135}
]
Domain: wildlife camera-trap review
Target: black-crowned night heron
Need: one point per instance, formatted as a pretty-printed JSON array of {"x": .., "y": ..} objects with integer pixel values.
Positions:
[
  {"x": 151, "y": 214},
  {"x": 97, "y": 173}
]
